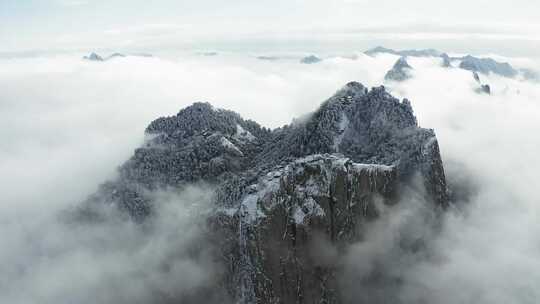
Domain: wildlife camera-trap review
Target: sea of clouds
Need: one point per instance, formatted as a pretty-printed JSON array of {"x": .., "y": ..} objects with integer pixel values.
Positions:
[{"x": 66, "y": 124}]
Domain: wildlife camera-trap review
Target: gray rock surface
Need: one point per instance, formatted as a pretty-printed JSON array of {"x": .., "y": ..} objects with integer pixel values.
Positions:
[
  {"x": 476, "y": 77},
  {"x": 281, "y": 192}
]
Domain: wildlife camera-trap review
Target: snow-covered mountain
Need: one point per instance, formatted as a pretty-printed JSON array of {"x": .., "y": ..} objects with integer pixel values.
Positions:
[{"x": 279, "y": 191}]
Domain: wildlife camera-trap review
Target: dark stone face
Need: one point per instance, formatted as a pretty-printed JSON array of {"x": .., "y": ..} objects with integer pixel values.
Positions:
[
  {"x": 485, "y": 88},
  {"x": 288, "y": 201},
  {"x": 93, "y": 57}
]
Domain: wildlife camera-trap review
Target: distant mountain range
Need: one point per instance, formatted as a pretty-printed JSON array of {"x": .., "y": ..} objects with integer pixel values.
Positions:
[
  {"x": 405, "y": 53},
  {"x": 95, "y": 57},
  {"x": 471, "y": 63}
]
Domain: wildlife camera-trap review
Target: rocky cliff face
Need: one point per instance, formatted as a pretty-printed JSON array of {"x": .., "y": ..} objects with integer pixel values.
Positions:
[
  {"x": 284, "y": 195},
  {"x": 281, "y": 216}
]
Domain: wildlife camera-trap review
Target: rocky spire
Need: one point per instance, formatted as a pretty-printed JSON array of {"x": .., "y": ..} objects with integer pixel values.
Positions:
[
  {"x": 484, "y": 88},
  {"x": 400, "y": 71}
]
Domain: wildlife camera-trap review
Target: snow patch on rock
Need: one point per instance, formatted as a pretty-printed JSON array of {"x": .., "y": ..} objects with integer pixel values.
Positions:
[
  {"x": 243, "y": 135},
  {"x": 229, "y": 145}
]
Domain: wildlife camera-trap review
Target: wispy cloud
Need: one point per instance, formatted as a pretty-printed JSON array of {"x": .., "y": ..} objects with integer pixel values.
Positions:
[{"x": 148, "y": 29}]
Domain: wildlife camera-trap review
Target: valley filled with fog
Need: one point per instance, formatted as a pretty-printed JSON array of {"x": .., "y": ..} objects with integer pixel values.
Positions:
[{"x": 66, "y": 124}]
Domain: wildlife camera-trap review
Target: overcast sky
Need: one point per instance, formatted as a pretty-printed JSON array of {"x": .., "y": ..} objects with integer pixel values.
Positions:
[{"x": 135, "y": 24}]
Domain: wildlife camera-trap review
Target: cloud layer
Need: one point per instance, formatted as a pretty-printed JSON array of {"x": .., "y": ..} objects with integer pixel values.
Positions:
[{"x": 66, "y": 124}]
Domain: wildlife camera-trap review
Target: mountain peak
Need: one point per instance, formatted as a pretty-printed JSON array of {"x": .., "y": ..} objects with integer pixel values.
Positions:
[
  {"x": 402, "y": 63},
  {"x": 351, "y": 90},
  {"x": 365, "y": 126},
  {"x": 400, "y": 71},
  {"x": 200, "y": 116},
  {"x": 311, "y": 59},
  {"x": 93, "y": 57},
  {"x": 275, "y": 189}
]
